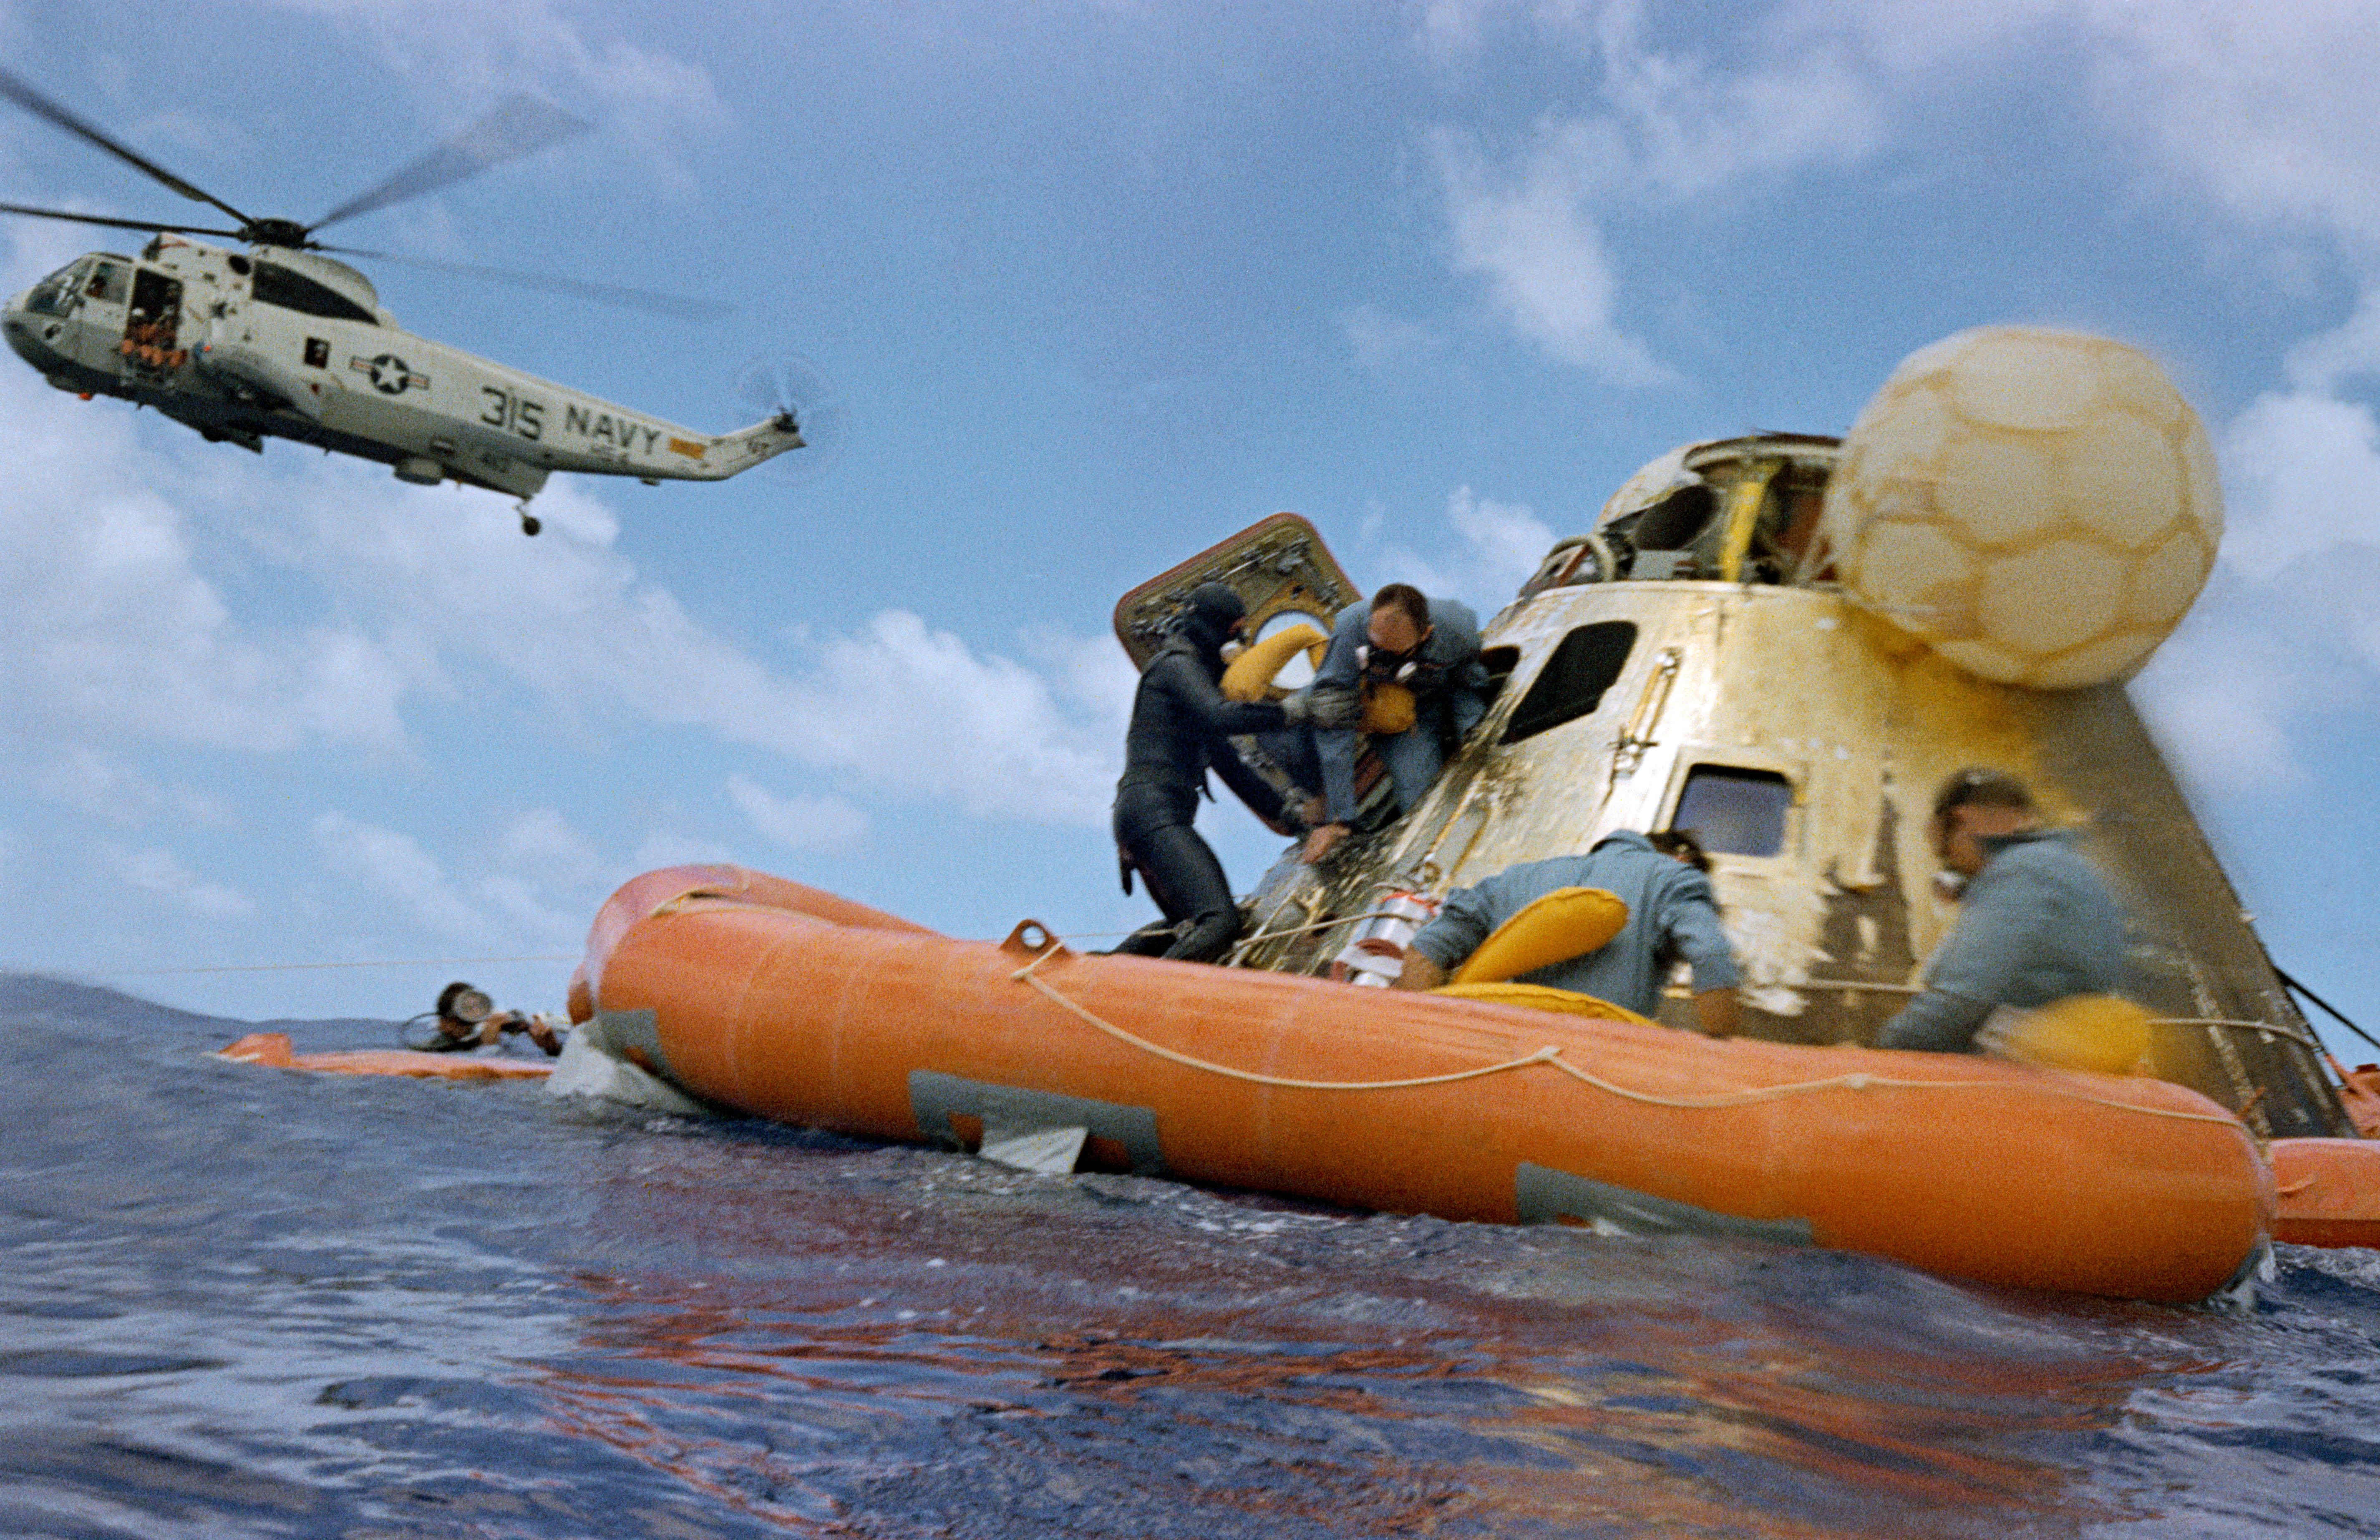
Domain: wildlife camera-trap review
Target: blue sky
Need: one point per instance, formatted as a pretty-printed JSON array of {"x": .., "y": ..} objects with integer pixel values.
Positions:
[{"x": 1097, "y": 283}]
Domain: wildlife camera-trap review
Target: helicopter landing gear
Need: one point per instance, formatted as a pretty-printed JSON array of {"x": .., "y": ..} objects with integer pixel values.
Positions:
[{"x": 530, "y": 526}]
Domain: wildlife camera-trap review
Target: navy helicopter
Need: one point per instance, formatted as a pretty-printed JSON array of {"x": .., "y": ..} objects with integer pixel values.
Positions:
[{"x": 282, "y": 341}]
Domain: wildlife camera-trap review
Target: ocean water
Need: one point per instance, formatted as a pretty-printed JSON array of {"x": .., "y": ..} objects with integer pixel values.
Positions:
[{"x": 249, "y": 1302}]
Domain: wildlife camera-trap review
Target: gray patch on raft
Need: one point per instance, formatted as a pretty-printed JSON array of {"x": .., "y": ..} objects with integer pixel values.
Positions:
[
  {"x": 629, "y": 1034},
  {"x": 1548, "y": 1196},
  {"x": 1009, "y": 1113}
]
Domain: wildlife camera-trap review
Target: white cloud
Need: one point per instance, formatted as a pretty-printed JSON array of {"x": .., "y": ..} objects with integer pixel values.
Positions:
[
  {"x": 2302, "y": 472},
  {"x": 113, "y": 634},
  {"x": 1091, "y": 674},
  {"x": 2320, "y": 365},
  {"x": 1506, "y": 540},
  {"x": 903, "y": 709},
  {"x": 543, "y": 840},
  {"x": 2269, "y": 108},
  {"x": 461, "y": 56},
  {"x": 394, "y": 866},
  {"x": 1450, "y": 30},
  {"x": 1530, "y": 234},
  {"x": 1381, "y": 340},
  {"x": 514, "y": 900},
  {"x": 2222, "y": 693},
  {"x": 800, "y": 822},
  {"x": 1496, "y": 546},
  {"x": 916, "y": 709},
  {"x": 160, "y": 873},
  {"x": 1670, "y": 129},
  {"x": 361, "y": 601},
  {"x": 111, "y": 789}
]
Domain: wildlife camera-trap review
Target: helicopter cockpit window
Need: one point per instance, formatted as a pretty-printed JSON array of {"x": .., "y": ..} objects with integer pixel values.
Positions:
[
  {"x": 1735, "y": 810},
  {"x": 275, "y": 284},
  {"x": 1571, "y": 685},
  {"x": 55, "y": 294},
  {"x": 109, "y": 279}
]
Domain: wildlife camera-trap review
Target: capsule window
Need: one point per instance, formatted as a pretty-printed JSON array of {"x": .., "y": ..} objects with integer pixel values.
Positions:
[
  {"x": 1571, "y": 685},
  {"x": 1735, "y": 810}
]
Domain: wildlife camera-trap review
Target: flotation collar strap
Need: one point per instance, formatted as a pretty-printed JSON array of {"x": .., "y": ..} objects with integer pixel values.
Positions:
[{"x": 1858, "y": 1080}]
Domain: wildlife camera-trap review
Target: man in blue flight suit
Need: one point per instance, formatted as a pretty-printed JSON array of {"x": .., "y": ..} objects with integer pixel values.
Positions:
[
  {"x": 2036, "y": 922},
  {"x": 1428, "y": 648},
  {"x": 1672, "y": 914}
]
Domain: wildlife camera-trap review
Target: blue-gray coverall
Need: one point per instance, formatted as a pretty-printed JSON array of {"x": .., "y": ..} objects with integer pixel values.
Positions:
[
  {"x": 1450, "y": 690},
  {"x": 2035, "y": 925},
  {"x": 1670, "y": 908}
]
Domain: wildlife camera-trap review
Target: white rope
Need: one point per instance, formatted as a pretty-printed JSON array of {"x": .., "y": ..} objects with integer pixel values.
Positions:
[{"x": 1856, "y": 1081}]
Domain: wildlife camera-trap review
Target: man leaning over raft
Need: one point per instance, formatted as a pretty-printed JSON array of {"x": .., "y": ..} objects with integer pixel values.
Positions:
[
  {"x": 2036, "y": 923},
  {"x": 1670, "y": 911}
]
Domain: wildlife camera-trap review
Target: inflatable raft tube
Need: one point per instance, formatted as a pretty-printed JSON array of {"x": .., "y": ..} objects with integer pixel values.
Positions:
[
  {"x": 749, "y": 995},
  {"x": 2328, "y": 1190},
  {"x": 273, "y": 1050}
]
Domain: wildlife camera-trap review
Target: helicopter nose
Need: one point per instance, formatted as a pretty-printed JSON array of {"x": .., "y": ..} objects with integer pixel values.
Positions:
[{"x": 22, "y": 331}]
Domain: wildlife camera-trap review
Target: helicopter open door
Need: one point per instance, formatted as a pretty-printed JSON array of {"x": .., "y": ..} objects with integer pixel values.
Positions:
[
  {"x": 152, "y": 327},
  {"x": 1286, "y": 577}
]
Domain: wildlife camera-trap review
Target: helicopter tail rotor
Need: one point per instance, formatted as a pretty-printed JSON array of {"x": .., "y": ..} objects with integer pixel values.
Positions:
[{"x": 794, "y": 393}]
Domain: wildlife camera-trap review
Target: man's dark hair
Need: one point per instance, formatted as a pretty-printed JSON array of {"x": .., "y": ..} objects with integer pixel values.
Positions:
[
  {"x": 1405, "y": 597},
  {"x": 1980, "y": 785},
  {"x": 1682, "y": 843}
]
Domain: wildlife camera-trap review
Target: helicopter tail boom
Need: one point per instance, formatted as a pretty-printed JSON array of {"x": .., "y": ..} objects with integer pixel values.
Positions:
[{"x": 732, "y": 453}]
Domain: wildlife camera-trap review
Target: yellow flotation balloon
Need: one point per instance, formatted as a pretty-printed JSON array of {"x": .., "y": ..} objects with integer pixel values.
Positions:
[
  {"x": 1249, "y": 677},
  {"x": 1566, "y": 923},
  {"x": 1543, "y": 997},
  {"x": 2098, "y": 1032},
  {"x": 1387, "y": 710}
]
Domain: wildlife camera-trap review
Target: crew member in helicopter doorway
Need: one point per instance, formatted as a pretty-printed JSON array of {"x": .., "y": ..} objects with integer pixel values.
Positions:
[
  {"x": 1181, "y": 725},
  {"x": 1404, "y": 672},
  {"x": 1672, "y": 914},
  {"x": 2036, "y": 923}
]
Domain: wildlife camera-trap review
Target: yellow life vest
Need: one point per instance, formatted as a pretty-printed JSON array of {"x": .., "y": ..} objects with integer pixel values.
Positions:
[{"x": 1566, "y": 923}]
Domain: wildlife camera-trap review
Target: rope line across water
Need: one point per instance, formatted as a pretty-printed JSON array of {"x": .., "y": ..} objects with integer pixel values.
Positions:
[{"x": 290, "y": 968}]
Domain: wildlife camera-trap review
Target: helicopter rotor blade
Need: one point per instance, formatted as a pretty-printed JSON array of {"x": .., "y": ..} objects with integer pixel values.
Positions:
[
  {"x": 654, "y": 300},
  {"x": 519, "y": 124},
  {"x": 40, "y": 105},
  {"x": 149, "y": 225}
]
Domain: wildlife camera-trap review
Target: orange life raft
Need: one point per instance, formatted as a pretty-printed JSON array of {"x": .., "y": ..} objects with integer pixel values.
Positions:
[
  {"x": 785, "y": 1002},
  {"x": 273, "y": 1050}
]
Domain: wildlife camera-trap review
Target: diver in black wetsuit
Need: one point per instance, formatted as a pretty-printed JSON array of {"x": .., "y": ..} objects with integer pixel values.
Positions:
[{"x": 1181, "y": 725}]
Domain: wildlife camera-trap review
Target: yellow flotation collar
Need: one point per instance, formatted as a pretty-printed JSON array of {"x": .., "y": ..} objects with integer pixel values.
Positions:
[
  {"x": 1566, "y": 923},
  {"x": 1249, "y": 677},
  {"x": 1543, "y": 997},
  {"x": 1388, "y": 708},
  {"x": 2102, "y": 1034}
]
